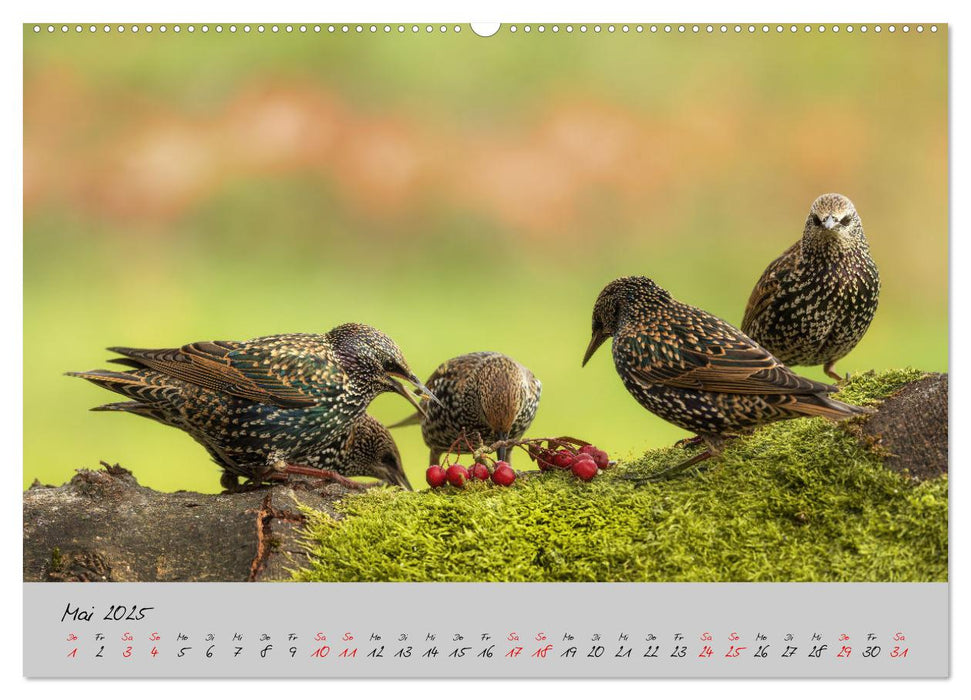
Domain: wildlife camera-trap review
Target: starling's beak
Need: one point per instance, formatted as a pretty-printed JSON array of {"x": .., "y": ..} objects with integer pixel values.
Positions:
[
  {"x": 424, "y": 389},
  {"x": 595, "y": 342},
  {"x": 418, "y": 385},
  {"x": 829, "y": 222},
  {"x": 398, "y": 478},
  {"x": 400, "y": 389}
]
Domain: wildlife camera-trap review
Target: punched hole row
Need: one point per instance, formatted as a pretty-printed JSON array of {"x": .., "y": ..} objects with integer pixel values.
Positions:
[{"x": 513, "y": 28}]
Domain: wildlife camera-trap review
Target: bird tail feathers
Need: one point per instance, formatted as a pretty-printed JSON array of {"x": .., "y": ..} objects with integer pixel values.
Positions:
[
  {"x": 822, "y": 405},
  {"x": 136, "y": 407},
  {"x": 142, "y": 386}
]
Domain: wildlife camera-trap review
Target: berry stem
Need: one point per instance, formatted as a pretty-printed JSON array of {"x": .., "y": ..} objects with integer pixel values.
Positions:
[{"x": 531, "y": 446}]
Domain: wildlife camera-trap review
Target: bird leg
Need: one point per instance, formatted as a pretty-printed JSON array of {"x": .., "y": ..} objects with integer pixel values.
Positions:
[
  {"x": 714, "y": 447},
  {"x": 831, "y": 373},
  {"x": 669, "y": 472},
  {"x": 698, "y": 440},
  {"x": 230, "y": 482}
]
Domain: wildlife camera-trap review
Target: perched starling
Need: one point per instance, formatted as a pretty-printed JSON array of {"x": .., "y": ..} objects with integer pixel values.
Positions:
[
  {"x": 487, "y": 395},
  {"x": 268, "y": 405},
  {"x": 814, "y": 302},
  {"x": 698, "y": 372}
]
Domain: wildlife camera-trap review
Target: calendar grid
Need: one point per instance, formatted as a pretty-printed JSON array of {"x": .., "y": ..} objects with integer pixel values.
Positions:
[{"x": 486, "y": 629}]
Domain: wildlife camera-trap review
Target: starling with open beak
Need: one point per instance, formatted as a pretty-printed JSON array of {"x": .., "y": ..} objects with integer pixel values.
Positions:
[
  {"x": 487, "y": 395},
  {"x": 265, "y": 406},
  {"x": 698, "y": 372},
  {"x": 815, "y": 302}
]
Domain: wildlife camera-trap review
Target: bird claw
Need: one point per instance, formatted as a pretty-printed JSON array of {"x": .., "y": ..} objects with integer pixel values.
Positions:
[
  {"x": 246, "y": 487},
  {"x": 672, "y": 471},
  {"x": 685, "y": 443}
]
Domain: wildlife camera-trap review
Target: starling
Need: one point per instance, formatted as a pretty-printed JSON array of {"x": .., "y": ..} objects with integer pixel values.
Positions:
[
  {"x": 367, "y": 450},
  {"x": 698, "y": 372},
  {"x": 814, "y": 302},
  {"x": 267, "y": 406},
  {"x": 487, "y": 395}
]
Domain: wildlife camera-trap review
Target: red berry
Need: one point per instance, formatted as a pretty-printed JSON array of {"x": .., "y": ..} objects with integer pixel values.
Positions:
[
  {"x": 435, "y": 476},
  {"x": 503, "y": 475},
  {"x": 601, "y": 458},
  {"x": 457, "y": 475},
  {"x": 584, "y": 468},
  {"x": 480, "y": 471},
  {"x": 563, "y": 459},
  {"x": 544, "y": 460},
  {"x": 598, "y": 455}
]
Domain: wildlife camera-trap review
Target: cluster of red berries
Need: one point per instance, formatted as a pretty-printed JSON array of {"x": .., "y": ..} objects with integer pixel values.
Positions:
[
  {"x": 581, "y": 458},
  {"x": 457, "y": 475},
  {"x": 585, "y": 463}
]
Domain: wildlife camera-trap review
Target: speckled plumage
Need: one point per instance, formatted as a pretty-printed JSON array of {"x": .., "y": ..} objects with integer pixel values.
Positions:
[
  {"x": 815, "y": 302},
  {"x": 366, "y": 450},
  {"x": 284, "y": 399},
  {"x": 487, "y": 394},
  {"x": 695, "y": 370}
]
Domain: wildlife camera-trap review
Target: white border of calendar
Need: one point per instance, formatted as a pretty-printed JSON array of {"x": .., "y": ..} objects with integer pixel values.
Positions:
[{"x": 11, "y": 418}]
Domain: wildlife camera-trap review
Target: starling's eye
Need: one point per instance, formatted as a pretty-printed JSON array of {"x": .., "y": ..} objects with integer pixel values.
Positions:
[
  {"x": 816, "y": 220},
  {"x": 845, "y": 221}
]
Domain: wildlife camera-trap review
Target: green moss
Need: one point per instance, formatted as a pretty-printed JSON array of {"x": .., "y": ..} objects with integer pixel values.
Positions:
[
  {"x": 56, "y": 559},
  {"x": 798, "y": 501}
]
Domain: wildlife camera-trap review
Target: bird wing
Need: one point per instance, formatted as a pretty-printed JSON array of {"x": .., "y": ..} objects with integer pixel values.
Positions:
[
  {"x": 767, "y": 288},
  {"x": 266, "y": 371},
  {"x": 700, "y": 351}
]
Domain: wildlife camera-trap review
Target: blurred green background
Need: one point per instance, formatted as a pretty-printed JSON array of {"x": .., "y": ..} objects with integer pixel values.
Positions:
[{"x": 457, "y": 192}]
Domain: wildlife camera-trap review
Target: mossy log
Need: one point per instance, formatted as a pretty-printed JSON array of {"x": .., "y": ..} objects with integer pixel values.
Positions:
[{"x": 802, "y": 500}]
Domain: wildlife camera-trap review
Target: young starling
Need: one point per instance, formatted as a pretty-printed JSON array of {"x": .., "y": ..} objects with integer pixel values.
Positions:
[
  {"x": 487, "y": 395},
  {"x": 814, "y": 302},
  {"x": 367, "y": 450},
  {"x": 698, "y": 372},
  {"x": 264, "y": 406}
]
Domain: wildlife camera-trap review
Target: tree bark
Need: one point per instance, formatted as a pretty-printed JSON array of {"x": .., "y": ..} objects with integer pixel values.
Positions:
[
  {"x": 909, "y": 429},
  {"x": 104, "y": 526}
]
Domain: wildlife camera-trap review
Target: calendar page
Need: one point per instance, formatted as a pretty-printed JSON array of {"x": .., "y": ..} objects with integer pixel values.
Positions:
[{"x": 547, "y": 350}]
